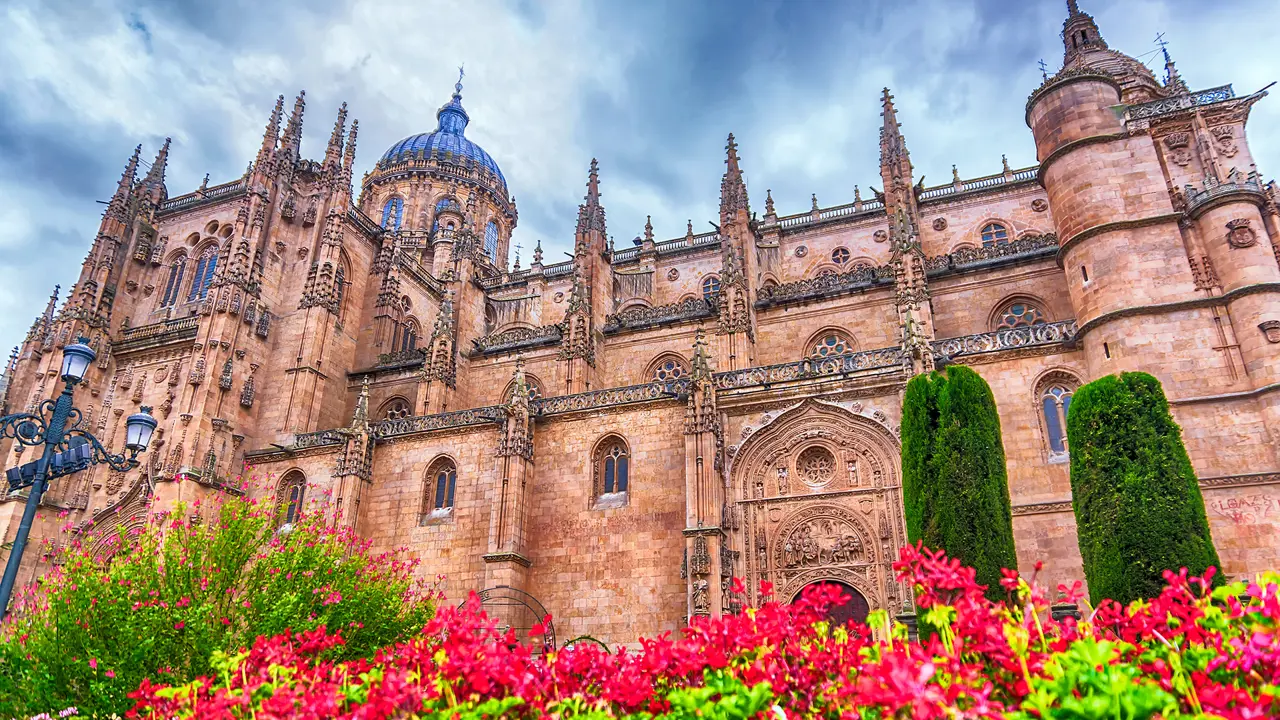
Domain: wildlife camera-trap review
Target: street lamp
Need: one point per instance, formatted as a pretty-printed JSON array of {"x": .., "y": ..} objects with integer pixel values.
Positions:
[{"x": 68, "y": 448}]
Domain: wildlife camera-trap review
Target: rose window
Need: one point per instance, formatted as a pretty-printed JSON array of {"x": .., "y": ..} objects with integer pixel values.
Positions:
[
  {"x": 816, "y": 466},
  {"x": 668, "y": 371},
  {"x": 831, "y": 345},
  {"x": 840, "y": 256},
  {"x": 1020, "y": 315}
]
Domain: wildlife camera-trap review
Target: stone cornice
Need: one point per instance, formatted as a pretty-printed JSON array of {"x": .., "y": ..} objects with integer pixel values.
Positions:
[
  {"x": 1067, "y": 76},
  {"x": 1042, "y": 508},
  {"x": 1176, "y": 306},
  {"x": 1096, "y": 230},
  {"x": 1243, "y": 395},
  {"x": 1246, "y": 480},
  {"x": 514, "y": 557},
  {"x": 1063, "y": 150}
]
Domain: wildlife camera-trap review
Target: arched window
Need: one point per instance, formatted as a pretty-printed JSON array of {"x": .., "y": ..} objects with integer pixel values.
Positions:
[
  {"x": 340, "y": 287},
  {"x": 174, "y": 283},
  {"x": 491, "y": 241},
  {"x": 293, "y": 487},
  {"x": 830, "y": 343},
  {"x": 1055, "y": 401},
  {"x": 1019, "y": 314},
  {"x": 670, "y": 368},
  {"x": 994, "y": 234},
  {"x": 840, "y": 256},
  {"x": 442, "y": 480},
  {"x": 395, "y": 408},
  {"x": 612, "y": 471},
  {"x": 535, "y": 389},
  {"x": 203, "y": 276},
  {"x": 392, "y": 212},
  {"x": 443, "y": 204},
  {"x": 710, "y": 288},
  {"x": 409, "y": 339}
]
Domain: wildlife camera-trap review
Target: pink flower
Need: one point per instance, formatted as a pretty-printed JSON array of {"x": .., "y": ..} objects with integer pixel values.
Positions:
[
  {"x": 93, "y": 663},
  {"x": 179, "y": 625}
]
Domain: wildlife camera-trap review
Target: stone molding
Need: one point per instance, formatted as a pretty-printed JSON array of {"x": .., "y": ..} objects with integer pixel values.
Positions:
[
  {"x": 1072, "y": 146},
  {"x": 1230, "y": 481},
  {"x": 514, "y": 557},
  {"x": 1176, "y": 306},
  {"x": 1166, "y": 106},
  {"x": 1042, "y": 508},
  {"x": 1243, "y": 395},
  {"x": 1026, "y": 247},
  {"x": 518, "y": 338},
  {"x": 643, "y": 317},
  {"x": 1096, "y": 230},
  {"x": 828, "y": 285},
  {"x": 1067, "y": 76}
]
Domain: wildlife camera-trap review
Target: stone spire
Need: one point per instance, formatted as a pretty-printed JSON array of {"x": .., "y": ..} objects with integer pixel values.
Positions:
[
  {"x": 360, "y": 418},
  {"x": 120, "y": 200},
  {"x": 591, "y": 212},
  {"x": 333, "y": 153},
  {"x": 270, "y": 136},
  {"x": 1173, "y": 82},
  {"x": 1080, "y": 34},
  {"x": 733, "y": 188},
  {"x": 153, "y": 184},
  {"x": 291, "y": 141},
  {"x": 6, "y": 379},
  {"x": 648, "y": 229},
  {"x": 895, "y": 163},
  {"x": 43, "y": 326},
  {"x": 701, "y": 413}
]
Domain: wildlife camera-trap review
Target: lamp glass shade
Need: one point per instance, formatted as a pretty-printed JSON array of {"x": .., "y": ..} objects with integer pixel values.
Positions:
[
  {"x": 138, "y": 429},
  {"x": 76, "y": 359}
]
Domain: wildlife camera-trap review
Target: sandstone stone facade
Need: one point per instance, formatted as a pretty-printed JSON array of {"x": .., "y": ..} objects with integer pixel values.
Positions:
[{"x": 613, "y": 438}]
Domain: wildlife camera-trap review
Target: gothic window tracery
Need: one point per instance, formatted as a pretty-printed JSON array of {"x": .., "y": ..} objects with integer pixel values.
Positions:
[
  {"x": 203, "y": 276},
  {"x": 1019, "y": 313},
  {"x": 831, "y": 343},
  {"x": 612, "y": 471},
  {"x": 340, "y": 287},
  {"x": 668, "y": 368},
  {"x": 816, "y": 466},
  {"x": 994, "y": 234},
  {"x": 392, "y": 212},
  {"x": 409, "y": 337},
  {"x": 174, "y": 283},
  {"x": 710, "y": 288},
  {"x": 396, "y": 408},
  {"x": 535, "y": 389},
  {"x": 290, "y": 494},
  {"x": 491, "y": 241},
  {"x": 840, "y": 256},
  {"x": 442, "y": 481},
  {"x": 1054, "y": 393}
]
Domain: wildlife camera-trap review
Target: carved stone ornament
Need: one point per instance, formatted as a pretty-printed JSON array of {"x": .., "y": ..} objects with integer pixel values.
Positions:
[
  {"x": 559, "y": 297},
  {"x": 881, "y": 235},
  {"x": 1178, "y": 145},
  {"x": 801, "y": 251},
  {"x": 823, "y": 536},
  {"x": 1225, "y": 135},
  {"x": 1271, "y": 330},
  {"x": 673, "y": 274},
  {"x": 1240, "y": 234},
  {"x": 1039, "y": 205},
  {"x": 939, "y": 224}
]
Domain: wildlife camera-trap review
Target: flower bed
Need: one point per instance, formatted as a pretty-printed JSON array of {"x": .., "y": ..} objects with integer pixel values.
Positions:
[{"x": 1194, "y": 651}]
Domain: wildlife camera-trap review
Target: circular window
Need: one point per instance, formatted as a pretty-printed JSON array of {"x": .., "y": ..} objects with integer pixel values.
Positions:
[
  {"x": 1020, "y": 315},
  {"x": 816, "y": 466},
  {"x": 831, "y": 345},
  {"x": 669, "y": 370},
  {"x": 840, "y": 256}
]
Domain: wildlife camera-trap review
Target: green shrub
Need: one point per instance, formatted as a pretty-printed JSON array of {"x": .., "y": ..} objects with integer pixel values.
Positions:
[
  {"x": 1138, "y": 505},
  {"x": 184, "y": 587},
  {"x": 954, "y": 483}
]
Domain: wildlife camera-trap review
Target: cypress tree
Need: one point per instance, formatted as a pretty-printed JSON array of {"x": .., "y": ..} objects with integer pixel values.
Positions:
[
  {"x": 1137, "y": 502},
  {"x": 954, "y": 482}
]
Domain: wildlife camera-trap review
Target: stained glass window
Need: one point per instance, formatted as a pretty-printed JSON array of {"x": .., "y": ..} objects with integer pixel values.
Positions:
[
  {"x": 840, "y": 256},
  {"x": 994, "y": 234}
]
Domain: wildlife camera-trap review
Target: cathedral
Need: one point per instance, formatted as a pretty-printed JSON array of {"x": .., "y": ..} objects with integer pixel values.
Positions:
[{"x": 613, "y": 438}]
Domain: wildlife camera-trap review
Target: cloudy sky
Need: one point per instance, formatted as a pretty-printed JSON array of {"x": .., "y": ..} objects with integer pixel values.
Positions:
[{"x": 650, "y": 88}]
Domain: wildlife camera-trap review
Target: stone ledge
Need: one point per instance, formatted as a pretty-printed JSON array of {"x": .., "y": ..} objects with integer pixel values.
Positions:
[
  {"x": 514, "y": 557},
  {"x": 1096, "y": 230},
  {"x": 1176, "y": 306}
]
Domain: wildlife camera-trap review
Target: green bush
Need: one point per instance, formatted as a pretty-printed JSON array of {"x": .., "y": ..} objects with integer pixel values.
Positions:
[
  {"x": 954, "y": 483},
  {"x": 1138, "y": 506},
  {"x": 189, "y": 584}
]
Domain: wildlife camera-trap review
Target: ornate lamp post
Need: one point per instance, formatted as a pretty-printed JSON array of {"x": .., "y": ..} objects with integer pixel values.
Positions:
[{"x": 67, "y": 448}]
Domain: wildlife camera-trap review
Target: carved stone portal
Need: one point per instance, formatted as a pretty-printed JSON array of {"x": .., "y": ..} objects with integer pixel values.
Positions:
[{"x": 820, "y": 496}]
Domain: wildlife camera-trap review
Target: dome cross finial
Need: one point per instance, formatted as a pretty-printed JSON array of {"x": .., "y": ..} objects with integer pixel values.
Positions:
[{"x": 457, "y": 87}]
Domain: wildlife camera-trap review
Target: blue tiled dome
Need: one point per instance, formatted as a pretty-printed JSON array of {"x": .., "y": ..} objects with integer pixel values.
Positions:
[{"x": 449, "y": 138}]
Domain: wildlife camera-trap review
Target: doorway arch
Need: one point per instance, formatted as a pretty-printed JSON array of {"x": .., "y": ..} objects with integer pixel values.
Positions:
[{"x": 855, "y": 607}]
